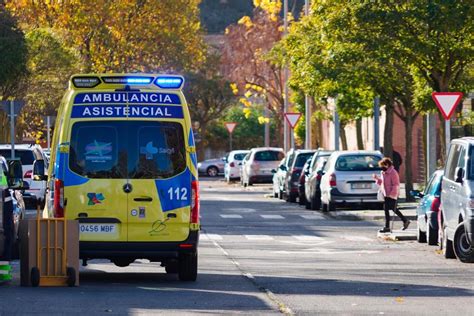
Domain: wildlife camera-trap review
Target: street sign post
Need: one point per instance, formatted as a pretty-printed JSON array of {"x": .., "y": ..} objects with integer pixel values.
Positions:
[
  {"x": 12, "y": 108},
  {"x": 49, "y": 122},
  {"x": 447, "y": 103},
  {"x": 292, "y": 119},
  {"x": 230, "y": 128}
]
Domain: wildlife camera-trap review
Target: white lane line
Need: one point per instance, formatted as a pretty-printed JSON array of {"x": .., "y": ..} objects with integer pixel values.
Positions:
[
  {"x": 231, "y": 216},
  {"x": 240, "y": 210},
  {"x": 357, "y": 238},
  {"x": 271, "y": 216},
  {"x": 311, "y": 216},
  {"x": 308, "y": 238},
  {"x": 259, "y": 237},
  {"x": 213, "y": 236}
]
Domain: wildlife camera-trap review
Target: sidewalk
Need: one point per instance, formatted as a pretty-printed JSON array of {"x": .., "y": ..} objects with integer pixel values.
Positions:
[{"x": 407, "y": 208}]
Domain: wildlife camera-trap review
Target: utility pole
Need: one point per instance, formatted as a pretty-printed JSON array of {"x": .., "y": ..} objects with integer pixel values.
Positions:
[
  {"x": 267, "y": 127},
  {"x": 430, "y": 144},
  {"x": 285, "y": 79},
  {"x": 307, "y": 101},
  {"x": 336, "y": 126},
  {"x": 12, "y": 128}
]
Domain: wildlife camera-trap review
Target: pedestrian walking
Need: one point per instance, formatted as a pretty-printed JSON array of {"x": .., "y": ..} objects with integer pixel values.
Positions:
[{"x": 389, "y": 183}]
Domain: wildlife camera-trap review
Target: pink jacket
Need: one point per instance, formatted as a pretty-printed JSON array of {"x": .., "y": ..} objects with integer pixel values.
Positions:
[{"x": 391, "y": 183}]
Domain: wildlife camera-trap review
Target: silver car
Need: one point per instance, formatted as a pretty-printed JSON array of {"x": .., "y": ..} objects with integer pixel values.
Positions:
[
  {"x": 258, "y": 165},
  {"x": 348, "y": 179},
  {"x": 212, "y": 167},
  {"x": 457, "y": 201}
]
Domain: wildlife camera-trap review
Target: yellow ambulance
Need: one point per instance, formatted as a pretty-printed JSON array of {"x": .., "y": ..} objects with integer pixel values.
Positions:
[{"x": 123, "y": 164}]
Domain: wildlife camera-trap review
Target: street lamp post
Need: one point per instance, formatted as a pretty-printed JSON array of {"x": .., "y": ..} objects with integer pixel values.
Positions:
[
  {"x": 285, "y": 79},
  {"x": 307, "y": 101}
]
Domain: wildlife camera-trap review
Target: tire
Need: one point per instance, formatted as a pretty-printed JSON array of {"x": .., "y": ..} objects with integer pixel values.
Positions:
[
  {"x": 35, "y": 277},
  {"x": 324, "y": 207},
  {"x": 332, "y": 207},
  {"x": 431, "y": 235},
  {"x": 448, "y": 250},
  {"x": 212, "y": 171},
  {"x": 71, "y": 276},
  {"x": 315, "y": 202},
  {"x": 188, "y": 266},
  {"x": 172, "y": 268},
  {"x": 463, "y": 250},
  {"x": 420, "y": 235},
  {"x": 291, "y": 197},
  {"x": 301, "y": 200}
]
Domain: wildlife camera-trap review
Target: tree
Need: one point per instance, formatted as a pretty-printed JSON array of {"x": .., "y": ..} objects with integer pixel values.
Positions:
[
  {"x": 122, "y": 35},
  {"x": 245, "y": 61},
  {"x": 208, "y": 96},
  {"x": 50, "y": 64},
  {"x": 13, "y": 53}
]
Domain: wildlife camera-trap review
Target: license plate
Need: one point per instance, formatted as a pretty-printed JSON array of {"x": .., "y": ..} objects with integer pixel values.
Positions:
[
  {"x": 361, "y": 185},
  {"x": 97, "y": 228}
]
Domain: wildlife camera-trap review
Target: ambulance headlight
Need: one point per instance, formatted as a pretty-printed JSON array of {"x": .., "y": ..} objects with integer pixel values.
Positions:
[
  {"x": 85, "y": 82},
  {"x": 169, "y": 82}
]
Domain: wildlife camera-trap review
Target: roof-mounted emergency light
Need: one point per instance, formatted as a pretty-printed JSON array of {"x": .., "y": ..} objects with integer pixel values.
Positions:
[
  {"x": 85, "y": 82},
  {"x": 128, "y": 80},
  {"x": 169, "y": 82}
]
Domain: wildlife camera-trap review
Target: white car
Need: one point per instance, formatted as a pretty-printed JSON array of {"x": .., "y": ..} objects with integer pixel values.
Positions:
[
  {"x": 348, "y": 180},
  {"x": 28, "y": 154},
  {"x": 258, "y": 165},
  {"x": 233, "y": 164}
]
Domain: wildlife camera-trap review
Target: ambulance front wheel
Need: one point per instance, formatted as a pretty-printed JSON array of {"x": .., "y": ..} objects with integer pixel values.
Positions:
[
  {"x": 71, "y": 276},
  {"x": 188, "y": 266},
  {"x": 35, "y": 277}
]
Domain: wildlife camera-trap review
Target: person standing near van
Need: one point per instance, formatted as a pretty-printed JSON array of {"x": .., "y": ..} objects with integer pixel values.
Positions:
[{"x": 389, "y": 182}]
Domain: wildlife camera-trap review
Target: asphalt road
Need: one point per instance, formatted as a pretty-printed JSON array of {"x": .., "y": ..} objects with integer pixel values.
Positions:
[{"x": 260, "y": 255}]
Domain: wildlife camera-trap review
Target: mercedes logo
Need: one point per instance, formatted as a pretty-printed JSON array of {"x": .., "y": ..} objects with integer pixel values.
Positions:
[{"x": 127, "y": 188}]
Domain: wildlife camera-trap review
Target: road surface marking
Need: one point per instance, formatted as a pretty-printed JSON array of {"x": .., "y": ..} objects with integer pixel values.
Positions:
[
  {"x": 272, "y": 216},
  {"x": 259, "y": 237},
  {"x": 231, "y": 216},
  {"x": 308, "y": 238},
  {"x": 240, "y": 210},
  {"x": 312, "y": 216},
  {"x": 213, "y": 236}
]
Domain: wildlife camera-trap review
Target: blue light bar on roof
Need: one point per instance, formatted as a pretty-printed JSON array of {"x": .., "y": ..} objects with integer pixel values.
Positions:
[
  {"x": 169, "y": 82},
  {"x": 128, "y": 80}
]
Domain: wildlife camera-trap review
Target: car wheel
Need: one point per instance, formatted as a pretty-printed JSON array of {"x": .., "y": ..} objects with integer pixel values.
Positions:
[
  {"x": 462, "y": 247},
  {"x": 420, "y": 235},
  {"x": 212, "y": 171},
  {"x": 431, "y": 235},
  {"x": 332, "y": 207},
  {"x": 324, "y": 207},
  {"x": 291, "y": 197},
  {"x": 315, "y": 202},
  {"x": 448, "y": 251},
  {"x": 301, "y": 200},
  {"x": 188, "y": 267}
]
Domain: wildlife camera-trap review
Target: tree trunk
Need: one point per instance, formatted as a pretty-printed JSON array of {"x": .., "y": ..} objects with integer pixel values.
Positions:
[
  {"x": 203, "y": 143},
  {"x": 360, "y": 139},
  {"x": 409, "y": 121},
  {"x": 342, "y": 133},
  {"x": 388, "y": 131}
]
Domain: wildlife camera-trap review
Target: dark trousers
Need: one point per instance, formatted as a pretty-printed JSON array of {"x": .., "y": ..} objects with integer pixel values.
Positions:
[
  {"x": 391, "y": 204},
  {"x": 8, "y": 225}
]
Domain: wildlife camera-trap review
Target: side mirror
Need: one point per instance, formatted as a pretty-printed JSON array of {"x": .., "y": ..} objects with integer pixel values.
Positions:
[
  {"x": 416, "y": 194},
  {"x": 15, "y": 175},
  {"x": 459, "y": 175},
  {"x": 39, "y": 173}
]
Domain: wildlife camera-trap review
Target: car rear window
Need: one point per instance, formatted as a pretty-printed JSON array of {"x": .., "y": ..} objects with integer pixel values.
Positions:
[
  {"x": 239, "y": 156},
  {"x": 302, "y": 158},
  {"x": 358, "y": 163},
  {"x": 133, "y": 149},
  {"x": 26, "y": 156},
  {"x": 268, "y": 155}
]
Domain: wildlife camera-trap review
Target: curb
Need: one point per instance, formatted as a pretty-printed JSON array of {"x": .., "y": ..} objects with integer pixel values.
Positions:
[
  {"x": 397, "y": 235},
  {"x": 346, "y": 215}
]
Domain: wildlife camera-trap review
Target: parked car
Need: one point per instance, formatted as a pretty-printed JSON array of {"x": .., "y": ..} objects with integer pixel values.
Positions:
[
  {"x": 457, "y": 201},
  {"x": 16, "y": 188},
  {"x": 28, "y": 154},
  {"x": 278, "y": 176},
  {"x": 313, "y": 181},
  {"x": 281, "y": 172},
  {"x": 259, "y": 163},
  {"x": 301, "y": 181},
  {"x": 428, "y": 209},
  {"x": 233, "y": 164},
  {"x": 292, "y": 176},
  {"x": 212, "y": 167},
  {"x": 347, "y": 179}
]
